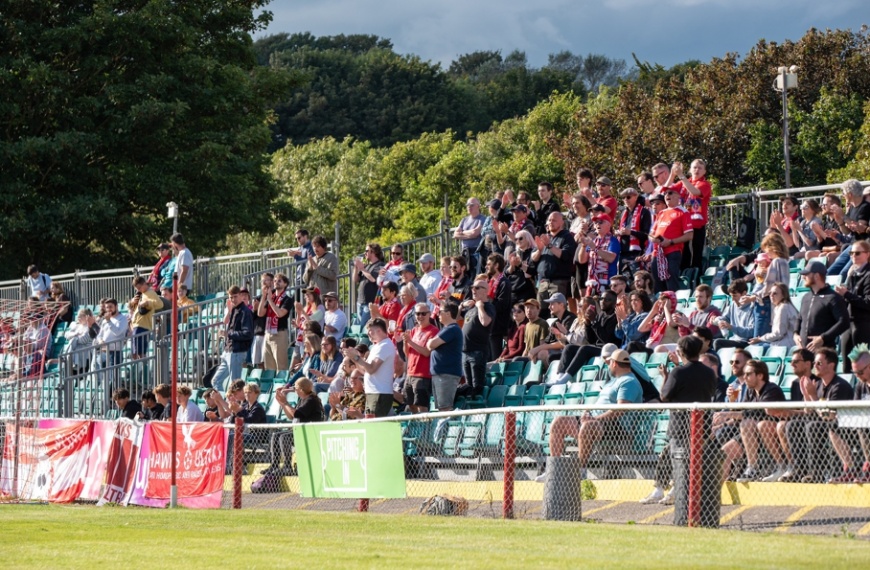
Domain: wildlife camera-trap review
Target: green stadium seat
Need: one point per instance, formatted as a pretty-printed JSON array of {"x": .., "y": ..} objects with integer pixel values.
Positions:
[{"x": 532, "y": 373}]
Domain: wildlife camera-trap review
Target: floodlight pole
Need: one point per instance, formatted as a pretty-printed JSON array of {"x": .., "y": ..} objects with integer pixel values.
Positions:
[
  {"x": 784, "y": 128},
  {"x": 173, "y": 489}
]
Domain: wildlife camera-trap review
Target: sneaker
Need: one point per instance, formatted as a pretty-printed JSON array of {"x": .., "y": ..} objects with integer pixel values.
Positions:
[
  {"x": 812, "y": 478},
  {"x": 654, "y": 497},
  {"x": 790, "y": 476},
  {"x": 848, "y": 476},
  {"x": 775, "y": 476},
  {"x": 668, "y": 499},
  {"x": 863, "y": 478},
  {"x": 748, "y": 476},
  {"x": 542, "y": 478}
]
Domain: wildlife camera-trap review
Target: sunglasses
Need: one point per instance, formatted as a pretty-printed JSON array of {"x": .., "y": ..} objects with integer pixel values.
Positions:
[
  {"x": 421, "y": 314},
  {"x": 395, "y": 253}
]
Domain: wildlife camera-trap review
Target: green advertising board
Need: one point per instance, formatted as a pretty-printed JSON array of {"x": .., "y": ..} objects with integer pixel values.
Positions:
[{"x": 350, "y": 461}]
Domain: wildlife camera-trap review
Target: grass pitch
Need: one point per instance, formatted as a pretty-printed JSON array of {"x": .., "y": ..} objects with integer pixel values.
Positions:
[{"x": 51, "y": 536}]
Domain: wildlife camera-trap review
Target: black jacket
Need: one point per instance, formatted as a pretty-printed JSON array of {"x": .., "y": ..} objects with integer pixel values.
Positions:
[
  {"x": 858, "y": 297},
  {"x": 240, "y": 329},
  {"x": 602, "y": 330},
  {"x": 823, "y": 314}
]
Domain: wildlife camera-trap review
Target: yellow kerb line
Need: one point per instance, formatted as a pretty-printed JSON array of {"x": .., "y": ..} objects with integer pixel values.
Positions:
[
  {"x": 604, "y": 508},
  {"x": 733, "y": 514},
  {"x": 793, "y": 518},
  {"x": 657, "y": 516},
  {"x": 864, "y": 530}
]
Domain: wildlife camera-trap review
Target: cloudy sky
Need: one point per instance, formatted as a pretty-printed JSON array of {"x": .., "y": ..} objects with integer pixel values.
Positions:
[{"x": 658, "y": 31}]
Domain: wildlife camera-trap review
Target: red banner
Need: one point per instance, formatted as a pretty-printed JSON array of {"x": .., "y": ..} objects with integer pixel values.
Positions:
[
  {"x": 200, "y": 459},
  {"x": 123, "y": 462}
]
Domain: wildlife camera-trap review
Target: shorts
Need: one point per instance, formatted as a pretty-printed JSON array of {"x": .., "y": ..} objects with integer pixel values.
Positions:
[
  {"x": 727, "y": 433},
  {"x": 140, "y": 341},
  {"x": 379, "y": 405},
  {"x": 444, "y": 388},
  {"x": 418, "y": 391}
]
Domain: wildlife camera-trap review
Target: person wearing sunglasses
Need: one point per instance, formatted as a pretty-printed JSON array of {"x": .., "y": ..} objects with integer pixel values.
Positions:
[
  {"x": 418, "y": 377},
  {"x": 856, "y": 292}
]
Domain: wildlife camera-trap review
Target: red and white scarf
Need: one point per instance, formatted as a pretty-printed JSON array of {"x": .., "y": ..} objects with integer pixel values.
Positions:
[
  {"x": 271, "y": 316},
  {"x": 660, "y": 325},
  {"x": 493, "y": 285},
  {"x": 634, "y": 227},
  {"x": 599, "y": 269}
]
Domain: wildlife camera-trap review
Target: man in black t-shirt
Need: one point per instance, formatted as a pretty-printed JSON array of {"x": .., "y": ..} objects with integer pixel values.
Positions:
[
  {"x": 151, "y": 409},
  {"x": 554, "y": 257},
  {"x": 757, "y": 424},
  {"x": 809, "y": 445},
  {"x": 475, "y": 336},
  {"x": 129, "y": 408},
  {"x": 692, "y": 381}
]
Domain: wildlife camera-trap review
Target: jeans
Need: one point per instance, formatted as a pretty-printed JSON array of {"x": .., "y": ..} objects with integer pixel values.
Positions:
[
  {"x": 842, "y": 264},
  {"x": 363, "y": 314},
  {"x": 230, "y": 367},
  {"x": 761, "y": 312},
  {"x": 474, "y": 366}
]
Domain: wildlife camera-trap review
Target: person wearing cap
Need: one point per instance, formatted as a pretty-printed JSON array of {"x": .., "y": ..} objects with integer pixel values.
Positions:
[
  {"x": 601, "y": 253},
  {"x": 537, "y": 329},
  {"x": 856, "y": 292},
  {"x": 489, "y": 231},
  {"x": 824, "y": 315},
  {"x": 506, "y": 234},
  {"x": 164, "y": 258},
  {"x": 616, "y": 426},
  {"x": 552, "y": 346},
  {"x": 468, "y": 233},
  {"x": 322, "y": 268},
  {"x": 418, "y": 382},
  {"x": 606, "y": 203},
  {"x": 408, "y": 275},
  {"x": 545, "y": 207},
  {"x": 634, "y": 226},
  {"x": 366, "y": 276},
  {"x": 431, "y": 276},
  {"x": 335, "y": 320},
  {"x": 554, "y": 256},
  {"x": 695, "y": 193},
  {"x": 671, "y": 231}
]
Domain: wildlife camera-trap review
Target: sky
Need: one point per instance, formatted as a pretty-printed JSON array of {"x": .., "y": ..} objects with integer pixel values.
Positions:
[{"x": 666, "y": 32}]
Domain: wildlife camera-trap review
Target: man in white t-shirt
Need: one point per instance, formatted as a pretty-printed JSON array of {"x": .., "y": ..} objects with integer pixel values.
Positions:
[
  {"x": 431, "y": 278},
  {"x": 38, "y": 283},
  {"x": 334, "y": 321},
  {"x": 378, "y": 368},
  {"x": 183, "y": 262}
]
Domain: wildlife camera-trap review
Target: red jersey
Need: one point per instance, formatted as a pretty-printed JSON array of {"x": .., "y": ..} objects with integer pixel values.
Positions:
[
  {"x": 609, "y": 202},
  {"x": 671, "y": 224},
  {"x": 697, "y": 206},
  {"x": 418, "y": 365},
  {"x": 390, "y": 310}
]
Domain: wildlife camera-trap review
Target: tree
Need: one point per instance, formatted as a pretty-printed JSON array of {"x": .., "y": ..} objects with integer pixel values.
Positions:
[{"x": 111, "y": 109}]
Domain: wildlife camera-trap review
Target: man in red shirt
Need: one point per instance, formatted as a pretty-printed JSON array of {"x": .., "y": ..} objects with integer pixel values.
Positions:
[
  {"x": 671, "y": 230},
  {"x": 606, "y": 203},
  {"x": 390, "y": 307},
  {"x": 696, "y": 194},
  {"x": 418, "y": 379}
]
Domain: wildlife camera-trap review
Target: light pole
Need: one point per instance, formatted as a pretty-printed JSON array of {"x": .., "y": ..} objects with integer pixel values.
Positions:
[
  {"x": 174, "y": 213},
  {"x": 786, "y": 78}
]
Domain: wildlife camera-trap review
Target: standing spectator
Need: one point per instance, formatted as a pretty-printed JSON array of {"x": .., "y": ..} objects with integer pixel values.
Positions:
[
  {"x": 408, "y": 274},
  {"x": 554, "y": 257},
  {"x": 646, "y": 184},
  {"x": 38, "y": 283},
  {"x": 634, "y": 225},
  {"x": 696, "y": 194},
  {"x": 545, "y": 207},
  {"x": 671, "y": 230},
  {"x": 584, "y": 184},
  {"x": 238, "y": 336},
  {"x": 475, "y": 336},
  {"x": 602, "y": 254},
  {"x": 322, "y": 270},
  {"x": 258, "y": 347},
  {"x": 275, "y": 305},
  {"x": 605, "y": 204},
  {"x": 489, "y": 232},
  {"x": 442, "y": 291},
  {"x": 390, "y": 271},
  {"x": 522, "y": 283},
  {"x": 461, "y": 280},
  {"x": 128, "y": 408},
  {"x": 446, "y": 357},
  {"x": 183, "y": 261},
  {"x": 301, "y": 253},
  {"x": 334, "y": 321},
  {"x": 824, "y": 315},
  {"x": 390, "y": 308},
  {"x": 378, "y": 368},
  {"x": 366, "y": 277},
  {"x": 432, "y": 277},
  {"x": 142, "y": 307},
  {"x": 468, "y": 233},
  {"x": 79, "y": 337},
  {"x": 164, "y": 260},
  {"x": 499, "y": 293},
  {"x": 856, "y": 292},
  {"x": 418, "y": 380},
  {"x": 59, "y": 297},
  {"x": 109, "y": 338}
]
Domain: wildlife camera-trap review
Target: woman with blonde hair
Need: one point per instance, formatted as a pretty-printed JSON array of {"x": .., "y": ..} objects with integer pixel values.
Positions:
[
  {"x": 310, "y": 358},
  {"x": 785, "y": 319}
]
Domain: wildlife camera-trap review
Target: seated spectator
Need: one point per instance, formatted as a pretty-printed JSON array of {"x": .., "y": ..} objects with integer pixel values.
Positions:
[
  {"x": 187, "y": 307},
  {"x": 757, "y": 424},
  {"x": 785, "y": 319},
  {"x": 330, "y": 362},
  {"x": 843, "y": 438},
  {"x": 188, "y": 411},
  {"x": 516, "y": 335},
  {"x": 537, "y": 329},
  {"x": 631, "y": 317},
  {"x": 704, "y": 314},
  {"x": 806, "y": 233},
  {"x": 660, "y": 322},
  {"x": 129, "y": 408},
  {"x": 310, "y": 359},
  {"x": 856, "y": 292},
  {"x": 642, "y": 281},
  {"x": 808, "y": 431},
  {"x": 551, "y": 347},
  {"x": 151, "y": 410},
  {"x": 349, "y": 405},
  {"x": 212, "y": 412},
  {"x": 312, "y": 310},
  {"x": 737, "y": 318},
  {"x": 79, "y": 338},
  {"x": 621, "y": 387},
  {"x": 341, "y": 381},
  {"x": 163, "y": 394},
  {"x": 600, "y": 330},
  {"x": 308, "y": 409}
]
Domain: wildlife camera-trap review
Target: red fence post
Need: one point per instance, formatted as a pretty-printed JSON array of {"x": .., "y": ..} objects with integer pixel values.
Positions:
[
  {"x": 363, "y": 506},
  {"x": 238, "y": 463},
  {"x": 696, "y": 444},
  {"x": 510, "y": 455}
]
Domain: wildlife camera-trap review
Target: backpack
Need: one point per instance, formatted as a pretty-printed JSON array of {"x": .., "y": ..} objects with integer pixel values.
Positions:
[{"x": 444, "y": 505}]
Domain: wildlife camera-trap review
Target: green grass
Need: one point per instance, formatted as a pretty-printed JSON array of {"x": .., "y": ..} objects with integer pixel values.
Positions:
[{"x": 49, "y": 536}]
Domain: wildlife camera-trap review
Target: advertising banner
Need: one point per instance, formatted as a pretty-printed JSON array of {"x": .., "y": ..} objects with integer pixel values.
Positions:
[
  {"x": 122, "y": 463},
  {"x": 352, "y": 461}
]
